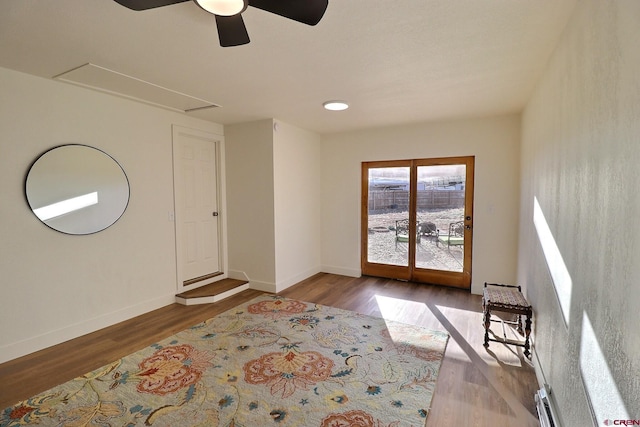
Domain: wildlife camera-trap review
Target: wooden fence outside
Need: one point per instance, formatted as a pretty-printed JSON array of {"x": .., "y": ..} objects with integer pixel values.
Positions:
[{"x": 427, "y": 199}]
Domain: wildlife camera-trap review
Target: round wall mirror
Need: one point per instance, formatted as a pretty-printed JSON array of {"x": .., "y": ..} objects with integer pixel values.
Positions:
[{"x": 77, "y": 189}]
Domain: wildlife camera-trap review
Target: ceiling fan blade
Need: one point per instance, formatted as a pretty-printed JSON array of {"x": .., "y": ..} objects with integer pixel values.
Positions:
[
  {"x": 147, "y": 4},
  {"x": 308, "y": 12},
  {"x": 231, "y": 30}
]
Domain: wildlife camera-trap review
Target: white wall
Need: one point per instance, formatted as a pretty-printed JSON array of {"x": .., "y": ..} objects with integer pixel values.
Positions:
[
  {"x": 580, "y": 157},
  {"x": 250, "y": 203},
  {"x": 494, "y": 141},
  {"x": 273, "y": 185},
  {"x": 56, "y": 286},
  {"x": 298, "y": 208}
]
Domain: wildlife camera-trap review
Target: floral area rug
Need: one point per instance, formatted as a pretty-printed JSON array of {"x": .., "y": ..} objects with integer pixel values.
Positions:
[{"x": 269, "y": 362}]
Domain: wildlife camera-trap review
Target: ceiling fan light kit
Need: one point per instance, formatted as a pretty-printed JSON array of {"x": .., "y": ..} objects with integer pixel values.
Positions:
[
  {"x": 223, "y": 7},
  {"x": 228, "y": 13}
]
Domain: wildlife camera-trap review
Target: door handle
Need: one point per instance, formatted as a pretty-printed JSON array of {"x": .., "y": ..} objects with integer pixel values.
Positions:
[{"x": 215, "y": 214}]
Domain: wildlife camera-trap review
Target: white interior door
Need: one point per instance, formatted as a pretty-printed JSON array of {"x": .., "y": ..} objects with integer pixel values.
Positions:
[{"x": 195, "y": 164}]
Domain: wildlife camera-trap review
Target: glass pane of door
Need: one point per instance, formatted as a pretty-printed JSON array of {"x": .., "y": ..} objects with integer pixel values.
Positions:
[
  {"x": 388, "y": 216},
  {"x": 440, "y": 213}
]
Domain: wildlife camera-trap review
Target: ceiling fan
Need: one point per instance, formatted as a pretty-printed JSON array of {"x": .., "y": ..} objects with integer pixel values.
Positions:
[{"x": 228, "y": 13}]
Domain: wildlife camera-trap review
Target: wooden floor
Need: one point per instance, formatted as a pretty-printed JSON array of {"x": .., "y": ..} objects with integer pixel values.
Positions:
[{"x": 476, "y": 386}]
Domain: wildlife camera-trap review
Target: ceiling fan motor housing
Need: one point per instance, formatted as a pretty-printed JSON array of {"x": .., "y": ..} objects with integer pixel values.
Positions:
[{"x": 228, "y": 13}]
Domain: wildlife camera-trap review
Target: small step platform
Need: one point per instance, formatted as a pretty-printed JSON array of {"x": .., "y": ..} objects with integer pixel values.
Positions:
[{"x": 213, "y": 292}]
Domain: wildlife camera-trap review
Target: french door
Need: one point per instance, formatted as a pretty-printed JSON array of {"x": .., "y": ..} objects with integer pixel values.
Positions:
[{"x": 417, "y": 220}]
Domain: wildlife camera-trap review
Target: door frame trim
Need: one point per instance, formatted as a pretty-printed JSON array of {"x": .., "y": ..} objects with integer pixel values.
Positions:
[
  {"x": 454, "y": 279},
  {"x": 218, "y": 139}
]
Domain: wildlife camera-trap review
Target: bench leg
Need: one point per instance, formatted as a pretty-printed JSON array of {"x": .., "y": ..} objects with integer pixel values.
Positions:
[
  {"x": 487, "y": 325},
  {"x": 527, "y": 331},
  {"x": 520, "y": 330}
]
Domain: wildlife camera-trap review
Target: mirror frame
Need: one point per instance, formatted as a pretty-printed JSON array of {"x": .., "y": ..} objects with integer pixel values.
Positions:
[{"x": 96, "y": 220}]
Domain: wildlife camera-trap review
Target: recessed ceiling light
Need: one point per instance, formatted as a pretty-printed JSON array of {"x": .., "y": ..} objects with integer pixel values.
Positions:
[{"x": 335, "y": 105}]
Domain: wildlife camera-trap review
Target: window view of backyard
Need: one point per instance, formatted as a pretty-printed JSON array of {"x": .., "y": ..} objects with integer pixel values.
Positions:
[{"x": 439, "y": 212}]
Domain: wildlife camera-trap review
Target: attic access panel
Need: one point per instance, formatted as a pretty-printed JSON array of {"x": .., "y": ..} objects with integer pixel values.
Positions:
[{"x": 98, "y": 78}]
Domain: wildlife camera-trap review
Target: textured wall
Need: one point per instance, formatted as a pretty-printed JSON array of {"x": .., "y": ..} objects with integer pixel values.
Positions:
[{"x": 580, "y": 161}]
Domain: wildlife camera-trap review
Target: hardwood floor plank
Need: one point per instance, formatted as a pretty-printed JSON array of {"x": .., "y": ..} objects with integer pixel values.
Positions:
[{"x": 476, "y": 386}]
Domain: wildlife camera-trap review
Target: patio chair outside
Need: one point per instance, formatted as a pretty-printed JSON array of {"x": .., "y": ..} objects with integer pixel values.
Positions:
[
  {"x": 455, "y": 236},
  {"x": 402, "y": 231}
]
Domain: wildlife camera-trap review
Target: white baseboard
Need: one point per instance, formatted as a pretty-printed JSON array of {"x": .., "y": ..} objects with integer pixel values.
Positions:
[
  {"x": 342, "y": 271},
  {"x": 253, "y": 284},
  {"x": 238, "y": 275},
  {"x": 537, "y": 367},
  {"x": 48, "y": 339},
  {"x": 284, "y": 284},
  {"x": 262, "y": 286},
  {"x": 543, "y": 384}
]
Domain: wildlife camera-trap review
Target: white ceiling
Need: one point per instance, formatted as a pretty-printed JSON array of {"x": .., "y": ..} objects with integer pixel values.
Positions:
[{"x": 394, "y": 61}]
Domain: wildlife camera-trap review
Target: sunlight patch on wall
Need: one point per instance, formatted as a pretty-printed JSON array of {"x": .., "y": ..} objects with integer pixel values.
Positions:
[
  {"x": 557, "y": 268},
  {"x": 601, "y": 388}
]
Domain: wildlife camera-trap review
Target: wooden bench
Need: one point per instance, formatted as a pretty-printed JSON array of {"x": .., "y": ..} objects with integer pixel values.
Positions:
[{"x": 509, "y": 299}]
